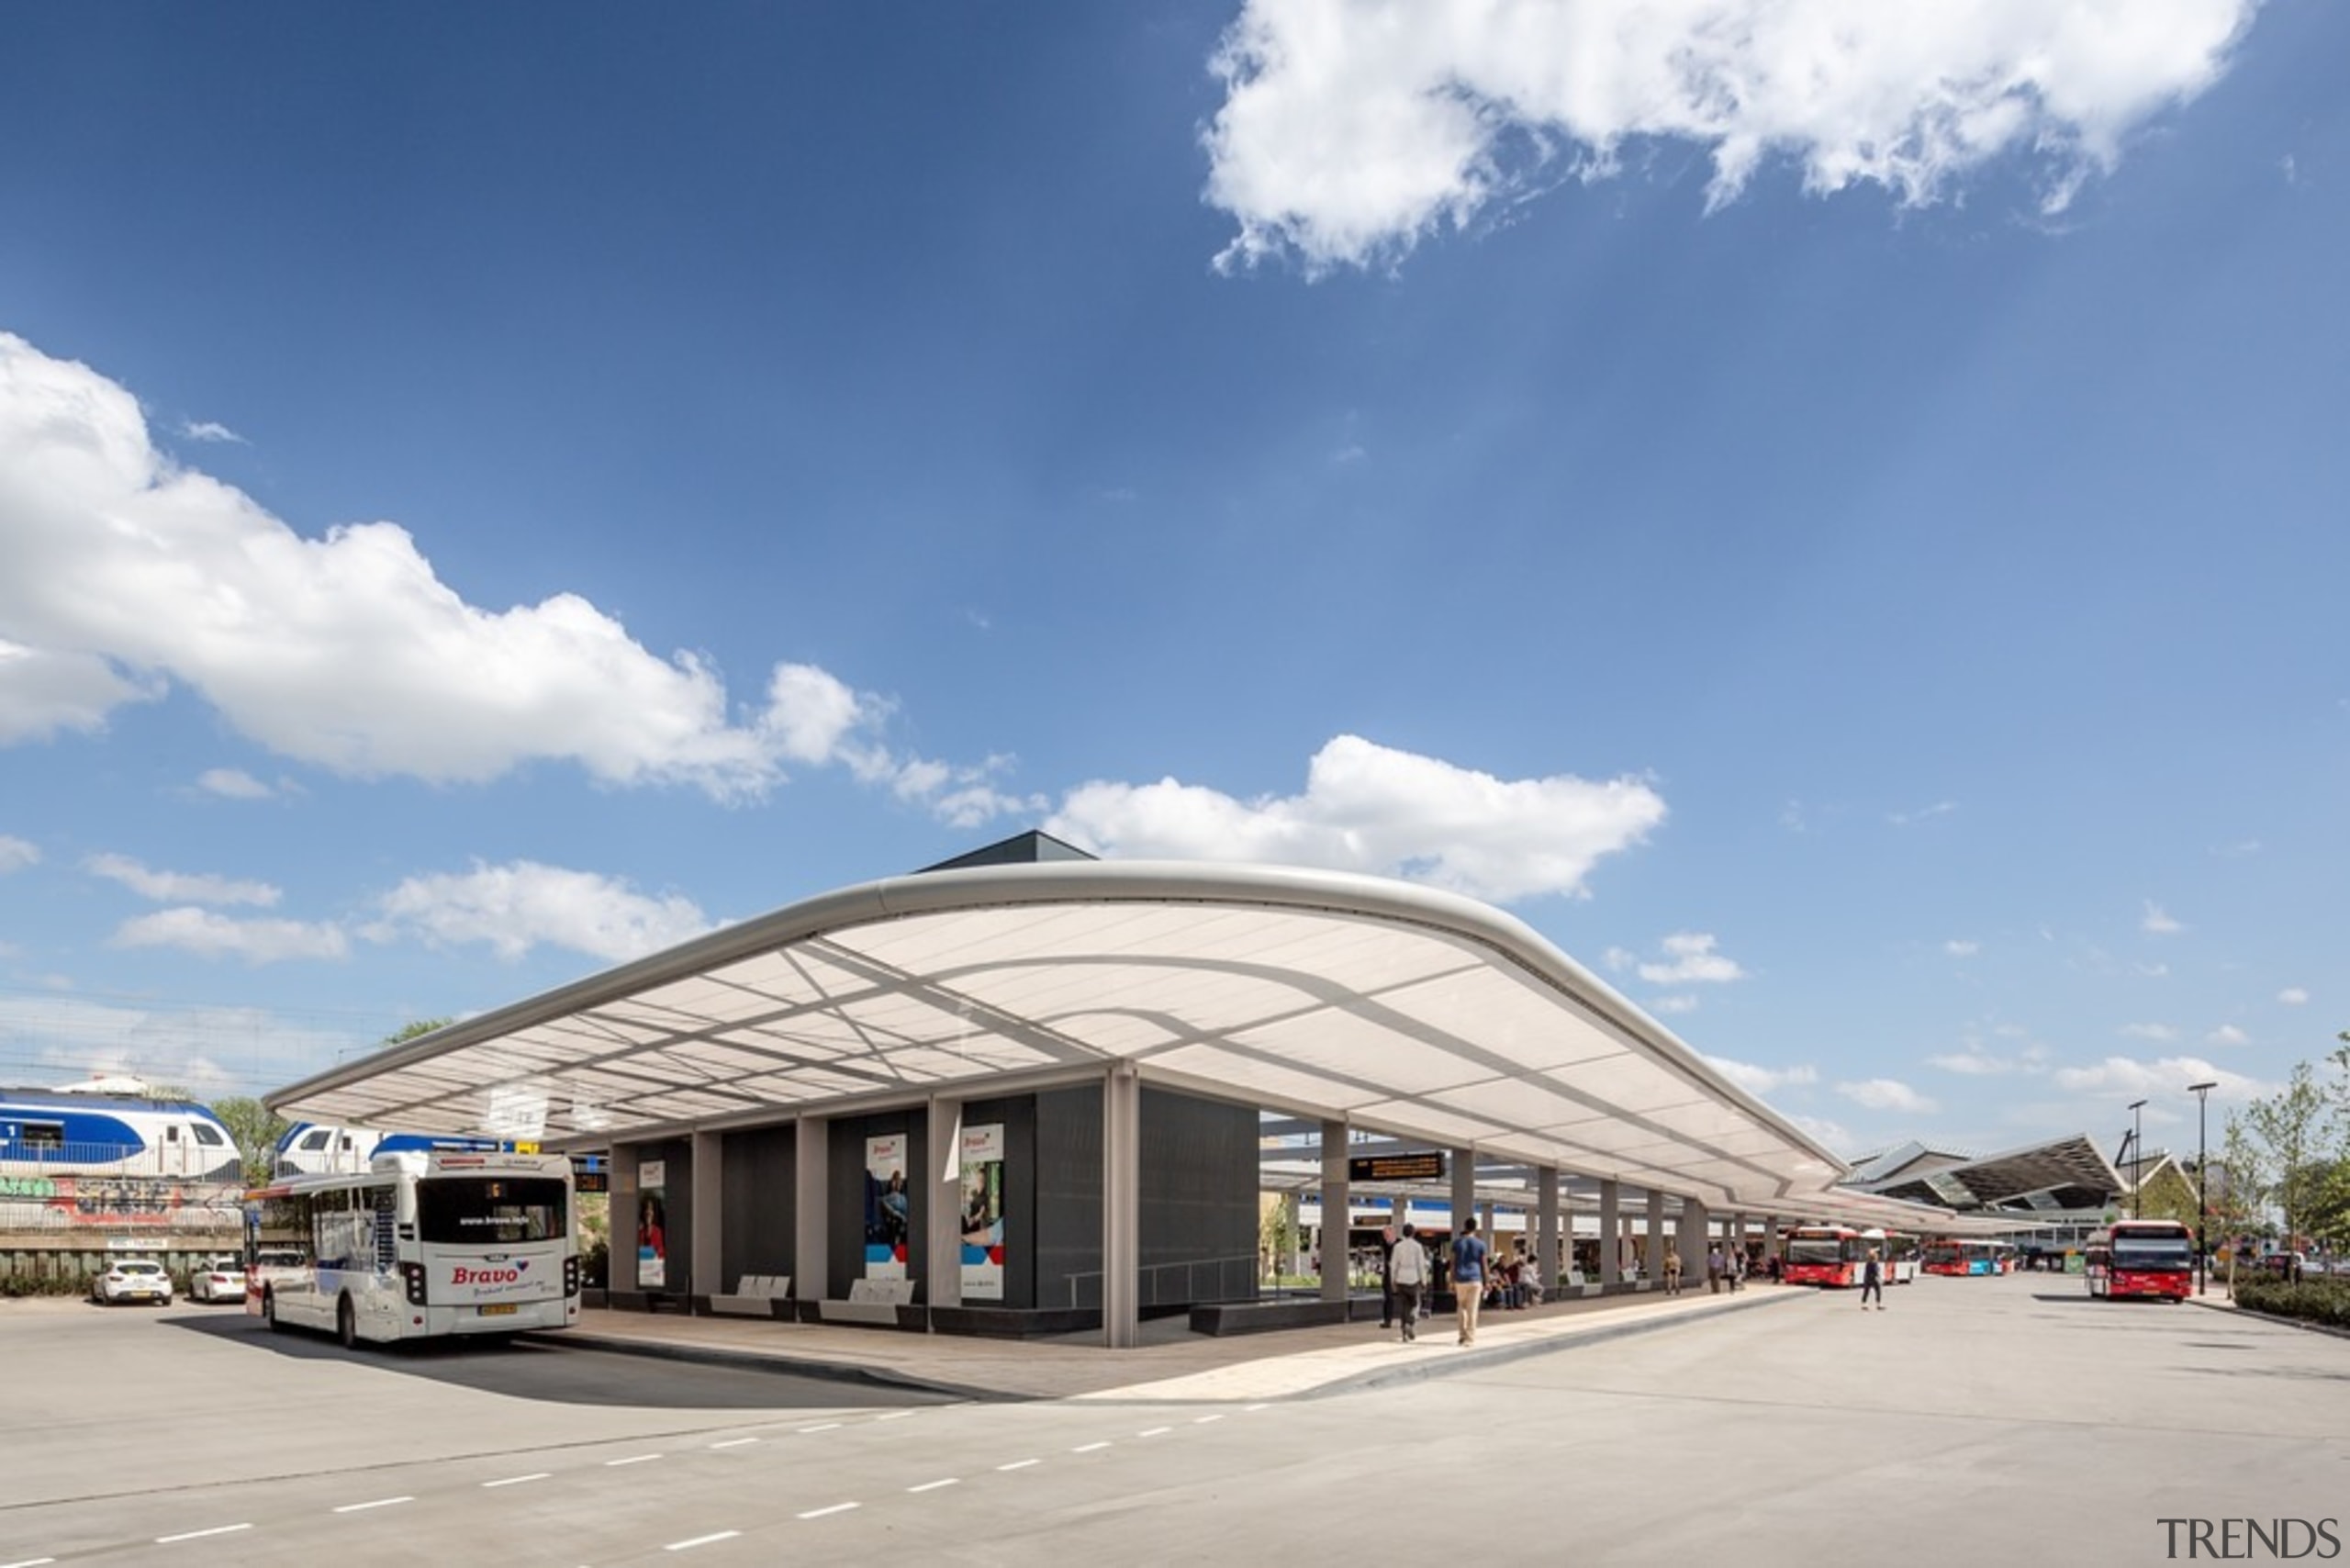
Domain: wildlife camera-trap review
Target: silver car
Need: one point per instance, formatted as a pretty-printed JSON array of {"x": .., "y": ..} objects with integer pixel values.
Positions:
[{"x": 132, "y": 1278}]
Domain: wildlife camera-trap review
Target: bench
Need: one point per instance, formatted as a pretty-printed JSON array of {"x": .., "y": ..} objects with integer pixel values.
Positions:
[
  {"x": 869, "y": 1301},
  {"x": 755, "y": 1296}
]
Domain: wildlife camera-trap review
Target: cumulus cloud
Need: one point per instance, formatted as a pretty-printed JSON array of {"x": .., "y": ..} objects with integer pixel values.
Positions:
[
  {"x": 1690, "y": 959},
  {"x": 2157, "y": 1032},
  {"x": 2170, "y": 1075},
  {"x": 1371, "y": 809},
  {"x": 2227, "y": 1035},
  {"x": 1678, "y": 1003},
  {"x": 1961, "y": 947},
  {"x": 210, "y": 430},
  {"x": 232, "y": 783},
  {"x": 1760, "y": 1081},
  {"x": 1885, "y": 1094},
  {"x": 2293, "y": 996},
  {"x": 1352, "y": 129},
  {"x": 174, "y": 887},
  {"x": 131, "y": 575},
  {"x": 16, "y": 853},
  {"x": 515, "y": 907},
  {"x": 210, "y": 934},
  {"x": 1906, "y": 818},
  {"x": 2155, "y": 923}
]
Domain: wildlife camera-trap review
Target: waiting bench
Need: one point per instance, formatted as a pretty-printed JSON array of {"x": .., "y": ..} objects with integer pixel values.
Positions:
[
  {"x": 869, "y": 1301},
  {"x": 754, "y": 1295}
]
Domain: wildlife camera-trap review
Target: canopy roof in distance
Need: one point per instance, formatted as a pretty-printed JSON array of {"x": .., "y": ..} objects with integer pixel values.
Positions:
[{"x": 1397, "y": 1008}]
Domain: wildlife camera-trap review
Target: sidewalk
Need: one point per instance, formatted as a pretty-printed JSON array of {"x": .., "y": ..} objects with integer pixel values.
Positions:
[{"x": 1173, "y": 1365}]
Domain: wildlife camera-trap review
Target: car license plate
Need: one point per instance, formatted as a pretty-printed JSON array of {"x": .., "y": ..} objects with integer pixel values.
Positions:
[{"x": 499, "y": 1309}]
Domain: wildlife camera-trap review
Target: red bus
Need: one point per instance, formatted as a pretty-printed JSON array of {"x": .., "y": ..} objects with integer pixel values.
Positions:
[
  {"x": 2141, "y": 1258},
  {"x": 1834, "y": 1255}
]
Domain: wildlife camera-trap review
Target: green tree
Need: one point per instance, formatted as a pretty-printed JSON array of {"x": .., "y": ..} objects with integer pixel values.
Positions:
[
  {"x": 256, "y": 1130},
  {"x": 408, "y": 1032},
  {"x": 2294, "y": 1124}
]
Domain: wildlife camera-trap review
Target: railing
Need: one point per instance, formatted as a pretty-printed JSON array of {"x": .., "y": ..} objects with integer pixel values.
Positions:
[
  {"x": 1231, "y": 1278},
  {"x": 183, "y": 1161}
]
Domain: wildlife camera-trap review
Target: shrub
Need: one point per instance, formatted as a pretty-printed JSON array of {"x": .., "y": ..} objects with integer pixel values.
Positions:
[{"x": 2322, "y": 1301}]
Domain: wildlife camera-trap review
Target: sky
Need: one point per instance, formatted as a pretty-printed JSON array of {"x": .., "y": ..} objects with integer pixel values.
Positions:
[{"x": 1835, "y": 515}]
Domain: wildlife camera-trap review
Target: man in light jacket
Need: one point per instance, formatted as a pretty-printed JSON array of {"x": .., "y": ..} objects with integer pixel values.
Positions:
[{"x": 1408, "y": 1271}]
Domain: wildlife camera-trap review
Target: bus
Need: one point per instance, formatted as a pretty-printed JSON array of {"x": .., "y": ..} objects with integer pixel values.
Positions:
[
  {"x": 424, "y": 1242},
  {"x": 1950, "y": 1255},
  {"x": 1836, "y": 1255},
  {"x": 2141, "y": 1258}
]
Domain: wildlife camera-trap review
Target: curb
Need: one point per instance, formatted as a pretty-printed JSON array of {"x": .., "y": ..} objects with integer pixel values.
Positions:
[{"x": 767, "y": 1361}]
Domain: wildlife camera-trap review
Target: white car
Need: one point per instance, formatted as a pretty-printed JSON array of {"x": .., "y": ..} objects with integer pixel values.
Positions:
[
  {"x": 216, "y": 1279},
  {"x": 132, "y": 1278}
]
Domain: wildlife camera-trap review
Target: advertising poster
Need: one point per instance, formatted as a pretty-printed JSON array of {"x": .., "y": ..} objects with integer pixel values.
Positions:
[
  {"x": 983, "y": 1213},
  {"x": 887, "y": 1210},
  {"x": 652, "y": 1225}
]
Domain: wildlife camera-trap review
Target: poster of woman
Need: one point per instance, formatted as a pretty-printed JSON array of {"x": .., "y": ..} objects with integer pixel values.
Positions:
[
  {"x": 887, "y": 1207},
  {"x": 982, "y": 1213},
  {"x": 652, "y": 1225}
]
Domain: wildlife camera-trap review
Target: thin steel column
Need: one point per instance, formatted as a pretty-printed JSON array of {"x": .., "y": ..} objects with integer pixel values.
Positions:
[
  {"x": 1121, "y": 1207},
  {"x": 1611, "y": 1239},
  {"x": 811, "y": 1184},
  {"x": 944, "y": 1200},
  {"x": 1546, "y": 1231},
  {"x": 1337, "y": 1212}
]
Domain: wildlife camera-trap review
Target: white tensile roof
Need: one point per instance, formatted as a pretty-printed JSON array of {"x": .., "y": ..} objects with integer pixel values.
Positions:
[{"x": 1396, "y": 1008}]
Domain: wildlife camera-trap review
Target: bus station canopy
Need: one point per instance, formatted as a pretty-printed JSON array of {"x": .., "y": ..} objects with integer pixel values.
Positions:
[
  {"x": 1390, "y": 1006},
  {"x": 2062, "y": 1175}
]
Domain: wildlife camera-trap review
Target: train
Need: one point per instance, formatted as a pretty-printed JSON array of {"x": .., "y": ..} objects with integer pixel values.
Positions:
[
  {"x": 315, "y": 1149},
  {"x": 113, "y": 1128}
]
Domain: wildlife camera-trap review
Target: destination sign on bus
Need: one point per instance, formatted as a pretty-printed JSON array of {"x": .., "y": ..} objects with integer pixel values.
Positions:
[{"x": 1427, "y": 1165}]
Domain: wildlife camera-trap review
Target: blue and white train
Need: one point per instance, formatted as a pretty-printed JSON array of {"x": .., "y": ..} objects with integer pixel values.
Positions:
[
  {"x": 86, "y": 1132},
  {"x": 312, "y": 1148}
]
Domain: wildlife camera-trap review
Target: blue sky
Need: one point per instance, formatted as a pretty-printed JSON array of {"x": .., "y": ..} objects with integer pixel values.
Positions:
[{"x": 1838, "y": 522}]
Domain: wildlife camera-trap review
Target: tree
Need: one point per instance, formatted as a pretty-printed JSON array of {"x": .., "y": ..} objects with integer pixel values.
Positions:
[
  {"x": 2293, "y": 1123},
  {"x": 408, "y": 1032},
  {"x": 256, "y": 1130}
]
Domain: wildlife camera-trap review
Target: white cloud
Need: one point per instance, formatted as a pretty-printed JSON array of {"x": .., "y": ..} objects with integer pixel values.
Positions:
[
  {"x": 2155, "y": 923},
  {"x": 16, "y": 853},
  {"x": 211, "y": 935},
  {"x": 2227, "y": 1035},
  {"x": 1368, "y": 808},
  {"x": 1760, "y": 1081},
  {"x": 210, "y": 1050},
  {"x": 1828, "y": 1135},
  {"x": 173, "y": 887},
  {"x": 1352, "y": 129},
  {"x": 2170, "y": 1075},
  {"x": 1886, "y": 1094},
  {"x": 2158, "y": 1032},
  {"x": 210, "y": 430},
  {"x": 130, "y": 574},
  {"x": 1692, "y": 961},
  {"x": 2293, "y": 996},
  {"x": 515, "y": 907},
  {"x": 1679, "y": 1003},
  {"x": 233, "y": 783},
  {"x": 1975, "y": 1064},
  {"x": 1960, "y": 947},
  {"x": 1939, "y": 809}
]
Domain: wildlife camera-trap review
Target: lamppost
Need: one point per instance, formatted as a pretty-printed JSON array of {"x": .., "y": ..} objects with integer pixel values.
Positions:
[
  {"x": 2137, "y": 1158},
  {"x": 2202, "y": 1093}
]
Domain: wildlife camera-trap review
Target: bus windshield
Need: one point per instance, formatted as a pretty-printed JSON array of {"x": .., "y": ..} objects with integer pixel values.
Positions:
[
  {"x": 489, "y": 1210},
  {"x": 1815, "y": 1250},
  {"x": 2151, "y": 1252}
]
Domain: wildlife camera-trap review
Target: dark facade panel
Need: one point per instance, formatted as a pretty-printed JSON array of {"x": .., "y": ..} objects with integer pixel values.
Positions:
[
  {"x": 757, "y": 1187},
  {"x": 1199, "y": 1200},
  {"x": 1069, "y": 1198}
]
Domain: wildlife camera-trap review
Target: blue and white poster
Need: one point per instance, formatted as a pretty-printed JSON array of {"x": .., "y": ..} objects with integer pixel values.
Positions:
[{"x": 982, "y": 1209}]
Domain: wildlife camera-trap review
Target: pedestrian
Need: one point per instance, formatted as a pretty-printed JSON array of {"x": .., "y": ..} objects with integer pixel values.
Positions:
[
  {"x": 1872, "y": 1281},
  {"x": 1673, "y": 1270},
  {"x": 1469, "y": 1255},
  {"x": 1407, "y": 1271},
  {"x": 1387, "y": 1239},
  {"x": 1715, "y": 1264}
]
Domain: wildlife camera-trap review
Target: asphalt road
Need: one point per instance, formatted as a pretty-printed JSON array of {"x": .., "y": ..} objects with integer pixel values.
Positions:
[{"x": 2005, "y": 1420}]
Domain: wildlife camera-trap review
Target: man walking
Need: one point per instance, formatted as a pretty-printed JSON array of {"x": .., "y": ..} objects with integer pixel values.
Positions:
[
  {"x": 1386, "y": 1277},
  {"x": 1409, "y": 1270},
  {"x": 1468, "y": 1278},
  {"x": 1872, "y": 1281}
]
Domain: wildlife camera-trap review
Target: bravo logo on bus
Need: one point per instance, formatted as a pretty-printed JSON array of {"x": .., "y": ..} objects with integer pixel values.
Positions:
[
  {"x": 502, "y": 1277},
  {"x": 464, "y": 1276}
]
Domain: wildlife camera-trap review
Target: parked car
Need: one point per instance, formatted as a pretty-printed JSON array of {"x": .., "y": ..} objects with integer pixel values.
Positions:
[
  {"x": 132, "y": 1278},
  {"x": 216, "y": 1279}
]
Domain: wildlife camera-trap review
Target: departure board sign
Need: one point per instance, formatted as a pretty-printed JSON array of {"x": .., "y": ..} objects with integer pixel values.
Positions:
[{"x": 1427, "y": 1165}]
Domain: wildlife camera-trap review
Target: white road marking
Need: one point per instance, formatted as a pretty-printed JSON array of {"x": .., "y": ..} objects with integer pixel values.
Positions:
[
  {"x": 733, "y": 1443},
  {"x": 1088, "y": 1448},
  {"x": 826, "y": 1427},
  {"x": 1155, "y": 1432},
  {"x": 28, "y": 1562},
  {"x": 518, "y": 1480},
  {"x": 1257, "y": 1407},
  {"x": 835, "y": 1508},
  {"x": 700, "y": 1540},
  {"x": 933, "y": 1486},
  {"x": 379, "y": 1502},
  {"x": 1019, "y": 1464},
  {"x": 896, "y": 1414},
  {"x": 1203, "y": 1420},
  {"x": 200, "y": 1534},
  {"x": 632, "y": 1459}
]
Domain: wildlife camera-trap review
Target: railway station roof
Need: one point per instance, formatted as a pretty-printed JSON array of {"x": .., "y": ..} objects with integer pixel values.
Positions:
[
  {"x": 1392, "y": 1006},
  {"x": 2064, "y": 1174}
]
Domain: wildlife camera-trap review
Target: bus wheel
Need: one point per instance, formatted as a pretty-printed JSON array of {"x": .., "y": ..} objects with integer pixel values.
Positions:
[
  {"x": 269, "y": 1312},
  {"x": 346, "y": 1325}
]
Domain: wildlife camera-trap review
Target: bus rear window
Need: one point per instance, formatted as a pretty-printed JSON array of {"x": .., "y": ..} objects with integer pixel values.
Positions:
[{"x": 490, "y": 1210}]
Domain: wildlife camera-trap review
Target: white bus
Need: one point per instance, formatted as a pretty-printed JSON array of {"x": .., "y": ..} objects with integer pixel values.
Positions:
[{"x": 423, "y": 1242}]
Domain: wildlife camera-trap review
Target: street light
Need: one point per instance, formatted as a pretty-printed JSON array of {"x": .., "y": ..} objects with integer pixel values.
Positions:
[
  {"x": 2137, "y": 1160},
  {"x": 2202, "y": 1093}
]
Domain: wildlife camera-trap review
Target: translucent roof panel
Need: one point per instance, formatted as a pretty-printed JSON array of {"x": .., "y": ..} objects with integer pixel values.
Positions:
[{"x": 1407, "y": 1011}]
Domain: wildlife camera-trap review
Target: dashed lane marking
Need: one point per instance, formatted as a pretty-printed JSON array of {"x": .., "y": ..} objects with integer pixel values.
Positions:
[
  {"x": 376, "y": 1503},
  {"x": 821, "y": 1427},
  {"x": 733, "y": 1443},
  {"x": 701, "y": 1540},
  {"x": 200, "y": 1534},
  {"x": 1020, "y": 1464},
  {"x": 518, "y": 1480},
  {"x": 1089, "y": 1448},
  {"x": 820, "y": 1513},
  {"x": 933, "y": 1486},
  {"x": 632, "y": 1459}
]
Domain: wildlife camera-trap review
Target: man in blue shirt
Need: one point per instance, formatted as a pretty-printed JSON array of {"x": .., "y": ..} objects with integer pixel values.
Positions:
[{"x": 1468, "y": 1278}]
